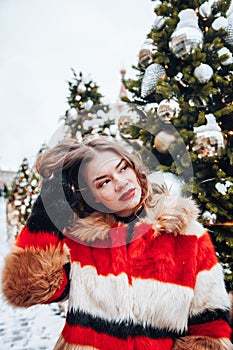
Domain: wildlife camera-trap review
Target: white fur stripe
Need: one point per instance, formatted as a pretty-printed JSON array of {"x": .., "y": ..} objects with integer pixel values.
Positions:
[
  {"x": 195, "y": 228},
  {"x": 210, "y": 291},
  {"x": 145, "y": 301}
]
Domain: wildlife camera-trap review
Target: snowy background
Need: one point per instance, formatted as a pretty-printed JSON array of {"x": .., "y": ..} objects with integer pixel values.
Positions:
[
  {"x": 35, "y": 328},
  {"x": 40, "y": 41}
]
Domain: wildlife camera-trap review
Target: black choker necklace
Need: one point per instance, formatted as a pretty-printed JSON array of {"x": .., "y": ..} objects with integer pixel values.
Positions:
[{"x": 131, "y": 217}]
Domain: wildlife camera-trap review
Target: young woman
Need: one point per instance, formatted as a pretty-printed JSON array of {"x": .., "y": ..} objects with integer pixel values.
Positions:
[{"x": 139, "y": 270}]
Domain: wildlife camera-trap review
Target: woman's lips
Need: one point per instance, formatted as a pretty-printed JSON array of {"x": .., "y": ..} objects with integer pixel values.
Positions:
[{"x": 127, "y": 195}]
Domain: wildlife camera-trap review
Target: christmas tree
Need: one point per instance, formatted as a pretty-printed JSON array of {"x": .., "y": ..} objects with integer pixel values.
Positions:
[
  {"x": 84, "y": 101},
  {"x": 22, "y": 194},
  {"x": 184, "y": 88}
]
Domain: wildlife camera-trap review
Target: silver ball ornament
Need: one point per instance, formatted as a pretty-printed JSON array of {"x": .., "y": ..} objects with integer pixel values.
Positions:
[
  {"x": 187, "y": 35},
  {"x": 209, "y": 140},
  {"x": 145, "y": 58},
  {"x": 167, "y": 109}
]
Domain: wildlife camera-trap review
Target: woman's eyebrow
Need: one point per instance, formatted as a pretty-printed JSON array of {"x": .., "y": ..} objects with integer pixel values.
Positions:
[{"x": 103, "y": 176}]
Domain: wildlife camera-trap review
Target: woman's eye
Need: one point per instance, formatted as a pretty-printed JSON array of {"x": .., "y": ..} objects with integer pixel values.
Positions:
[
  {"x": 102, "y": 184},
  {"x": 124, "y": 167}
]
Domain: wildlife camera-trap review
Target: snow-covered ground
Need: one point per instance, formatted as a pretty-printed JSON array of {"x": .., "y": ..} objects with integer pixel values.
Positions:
[{"x": 35, "y": 328}]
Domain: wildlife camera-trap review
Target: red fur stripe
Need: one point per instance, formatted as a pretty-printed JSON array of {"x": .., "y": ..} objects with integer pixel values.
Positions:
[
  {"x": 148, "y": 255},
  {"x": 86, "y": 336},
  {"x": 27, "y": 238},
  {"x": 214, "y": 329},
  {"x": 206, "y": 254}
]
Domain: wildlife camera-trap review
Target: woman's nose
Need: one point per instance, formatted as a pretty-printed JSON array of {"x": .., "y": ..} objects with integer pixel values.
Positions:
[{"x": 120, "y": 184}]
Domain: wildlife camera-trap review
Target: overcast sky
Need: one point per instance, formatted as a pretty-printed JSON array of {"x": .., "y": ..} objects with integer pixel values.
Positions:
[{"x": 40, "y": 40}]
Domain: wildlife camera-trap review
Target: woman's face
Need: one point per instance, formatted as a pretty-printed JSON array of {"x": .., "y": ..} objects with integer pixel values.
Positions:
[{"x": 113, "y": 183}]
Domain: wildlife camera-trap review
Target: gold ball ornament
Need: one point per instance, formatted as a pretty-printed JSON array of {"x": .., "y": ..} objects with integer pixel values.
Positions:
[{"x": 163, "y": 141}]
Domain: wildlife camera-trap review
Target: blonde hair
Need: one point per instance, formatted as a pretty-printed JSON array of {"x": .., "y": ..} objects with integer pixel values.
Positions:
[{"x": 66, "y": 158}]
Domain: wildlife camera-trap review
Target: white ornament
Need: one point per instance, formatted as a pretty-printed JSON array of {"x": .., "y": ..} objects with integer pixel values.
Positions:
[
  {"x": 220, "y": 23},
  {"x": 158, "y": 22},
  {"x": 224, "y": 51},
  {"x": 81, "y": 88},
  {"x": 205, "y": 10},
  {"x": 187, "y": 35},
  {"x": 150, "y": 78},
  {"x": 223, "y": 188},
  {"x": 78, "y": 98},
  {"x": 178, "y": 76},
  {"x": 87, "y": 105},
  {"x": 208, "y": 218},
  {"x": 203, "y": 73},
  {"x": 72, "y": 113},
  {"x": 113, "y": 129}
]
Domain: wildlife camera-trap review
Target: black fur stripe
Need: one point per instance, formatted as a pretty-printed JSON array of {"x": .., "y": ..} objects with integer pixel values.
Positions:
[
  {"x": 210, "y": 315},
  {"x": 39, "y": 220},
  {"x": 120, "y": 330},
  {"x": 67, "y": 288}
]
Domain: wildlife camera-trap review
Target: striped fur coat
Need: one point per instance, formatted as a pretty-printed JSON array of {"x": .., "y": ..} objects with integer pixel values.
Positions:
[{"x": 152, "y": 284}]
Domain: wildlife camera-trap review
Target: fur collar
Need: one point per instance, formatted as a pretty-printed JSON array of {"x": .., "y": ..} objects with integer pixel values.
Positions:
[{"x": 169, "y": 213}]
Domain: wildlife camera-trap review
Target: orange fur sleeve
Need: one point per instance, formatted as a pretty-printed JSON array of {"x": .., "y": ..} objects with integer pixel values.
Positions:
[{"x": 32, "y": 275}]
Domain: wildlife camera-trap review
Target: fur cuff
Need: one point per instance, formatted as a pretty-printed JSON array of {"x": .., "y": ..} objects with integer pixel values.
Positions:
[
  {"x": 31, "y": 276},
  {"x": 201, "y": 343}
]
